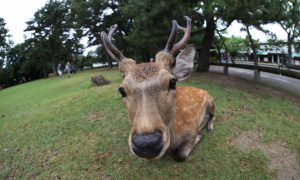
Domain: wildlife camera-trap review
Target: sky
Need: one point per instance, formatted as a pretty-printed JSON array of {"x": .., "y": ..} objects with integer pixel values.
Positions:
[
  {"x": 234, "y": 29},
  {"x": 17, "y": 12}
]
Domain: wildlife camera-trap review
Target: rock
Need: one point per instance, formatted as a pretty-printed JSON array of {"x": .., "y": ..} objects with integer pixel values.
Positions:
[{"x": 99, "y": 80}]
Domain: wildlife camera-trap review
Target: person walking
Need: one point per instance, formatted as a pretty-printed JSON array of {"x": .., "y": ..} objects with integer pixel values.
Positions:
[
  {"x": 68, "y": 69},
  {"x": 59, "y": 70}
]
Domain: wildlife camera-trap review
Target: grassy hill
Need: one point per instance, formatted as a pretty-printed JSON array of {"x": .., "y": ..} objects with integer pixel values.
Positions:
[{"x": 67, "y": 129}]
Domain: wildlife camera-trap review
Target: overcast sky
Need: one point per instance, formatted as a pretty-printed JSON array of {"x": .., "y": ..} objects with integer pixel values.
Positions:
[{"x": 17, "y": 12}]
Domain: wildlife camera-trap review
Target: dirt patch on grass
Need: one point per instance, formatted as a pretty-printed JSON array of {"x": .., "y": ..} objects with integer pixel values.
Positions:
[
  {"x": 282, "y": 160},
  {"x": 227, "y": 115},
  {"x": 249, "y": 86}
]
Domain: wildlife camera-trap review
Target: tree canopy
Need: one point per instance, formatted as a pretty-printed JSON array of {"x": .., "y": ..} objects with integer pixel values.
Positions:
[
  {"x": 4, "y": 41},
  {"x": 57, "y": 30},
  {"x": 4, "y": 47},
  {"x": 52, "y": 35}
]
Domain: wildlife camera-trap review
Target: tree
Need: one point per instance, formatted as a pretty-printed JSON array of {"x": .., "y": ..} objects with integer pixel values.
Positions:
[
  {"x": 52, "y": 37},
  {"x": 151, "y": 24},
  {"x": 15, "y": 58},
  {"x": 214, "y": 12},
  {"x": 297, "y": 46},
  {"x": 5, "y": 44},
  {"x": 93, "y": 17},
  {"x": 234, "y": 45},
  {"x": 276, "y": 44},
  {"x": 24, "y": 62},
  {"x": 255, "y": 14},
  {"x": 290, "y": 22},
  {"x": 103, "y": 57},
  {"x": 4, "y": 41}
]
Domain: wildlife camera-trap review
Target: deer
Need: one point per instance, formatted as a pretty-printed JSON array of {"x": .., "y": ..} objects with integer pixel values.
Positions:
[{"x": 164, "y": 118}]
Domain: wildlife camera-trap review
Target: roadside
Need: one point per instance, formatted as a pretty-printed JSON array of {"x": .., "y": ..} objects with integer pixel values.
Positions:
[{"x": 274, "y": 80}]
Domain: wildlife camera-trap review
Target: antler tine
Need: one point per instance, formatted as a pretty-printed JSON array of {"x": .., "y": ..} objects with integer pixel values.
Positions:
[
  {"x": 112, "y": 50},
  {"x": 111, "y": 30},
  {"x": 172, "y": 37},
  {"x": 186, "y": 37}
]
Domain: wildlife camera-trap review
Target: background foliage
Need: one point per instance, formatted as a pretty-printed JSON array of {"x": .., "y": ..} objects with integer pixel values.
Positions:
[{"x": 57, "y": 29}]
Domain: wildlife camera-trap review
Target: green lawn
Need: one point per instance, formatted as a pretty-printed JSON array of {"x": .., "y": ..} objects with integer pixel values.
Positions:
[{"x": 67, "y": 129}]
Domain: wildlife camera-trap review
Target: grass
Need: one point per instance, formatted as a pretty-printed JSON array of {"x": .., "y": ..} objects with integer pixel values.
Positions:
[{"x": 67, "y": 129}]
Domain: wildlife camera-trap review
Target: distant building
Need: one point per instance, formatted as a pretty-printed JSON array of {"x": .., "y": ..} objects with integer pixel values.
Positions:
[
  {"x": 296, "y": 59},
  {"x": 268, "y": 53}
]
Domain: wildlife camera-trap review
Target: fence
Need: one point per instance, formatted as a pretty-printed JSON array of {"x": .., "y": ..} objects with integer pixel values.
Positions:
[{"x": 290, "y": 71}]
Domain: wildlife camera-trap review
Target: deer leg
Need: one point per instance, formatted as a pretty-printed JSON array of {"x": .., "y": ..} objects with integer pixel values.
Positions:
[
  {"x": 210, "y": 123},
  {"x": 186, "y": 147},
  {"x": 210, "y": 114}
]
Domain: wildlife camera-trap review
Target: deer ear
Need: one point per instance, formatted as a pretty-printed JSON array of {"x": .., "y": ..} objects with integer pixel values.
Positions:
[{"x": 184, "y": 63}]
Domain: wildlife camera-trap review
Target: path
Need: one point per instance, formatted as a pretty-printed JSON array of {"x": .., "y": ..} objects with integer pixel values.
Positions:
[{"x": 275, "y": 80}]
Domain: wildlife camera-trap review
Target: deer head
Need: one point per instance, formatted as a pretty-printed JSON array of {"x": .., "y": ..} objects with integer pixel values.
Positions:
[{"x": 149, "y": 91}]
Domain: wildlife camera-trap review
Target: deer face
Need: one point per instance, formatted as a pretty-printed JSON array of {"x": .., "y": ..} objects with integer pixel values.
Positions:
[
  {"x": 148, "y": 91},
  {"x": 150, "y": 101}
]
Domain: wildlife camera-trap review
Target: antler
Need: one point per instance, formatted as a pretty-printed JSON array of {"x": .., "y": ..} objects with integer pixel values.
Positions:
[
  {"x": 171, "y": 48},
  {"x": 112, "y": 50}
]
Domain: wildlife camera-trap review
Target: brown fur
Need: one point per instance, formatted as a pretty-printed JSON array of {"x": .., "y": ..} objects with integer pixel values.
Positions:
[
  {"x": 145, "y": 71},
  {"x": 191, "y": 104}
]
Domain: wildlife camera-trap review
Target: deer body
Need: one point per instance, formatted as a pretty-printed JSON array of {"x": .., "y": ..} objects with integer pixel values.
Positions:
[
  {"x": 194, "y": 110},
  {"x": 164, "y": 118}
]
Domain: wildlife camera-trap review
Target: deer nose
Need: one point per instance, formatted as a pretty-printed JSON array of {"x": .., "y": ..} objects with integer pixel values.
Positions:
[{"x": 147, "y": 145}]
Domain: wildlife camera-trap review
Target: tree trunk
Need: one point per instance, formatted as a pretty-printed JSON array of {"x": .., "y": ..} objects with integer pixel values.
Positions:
[
  {"x": 45, "y": 75},
  {"x": 203, "y": 60},
  {"x": 233, "y": 60},
  {"x": 256, "y": 71},
  {"x": 54, "y": 68},
  {"x": 252, "y": 46},
  {"x": 289, "y": 44},
  {"x": 110, "y": 65}
]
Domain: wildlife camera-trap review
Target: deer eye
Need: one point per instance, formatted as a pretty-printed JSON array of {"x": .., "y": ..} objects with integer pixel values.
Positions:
[
  {"x": 172, "y": 84},
  {"x": 122, "y": 91}
]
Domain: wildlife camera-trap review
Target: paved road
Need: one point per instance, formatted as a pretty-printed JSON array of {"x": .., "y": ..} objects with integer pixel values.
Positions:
[{"x": 275, "y": 80}]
